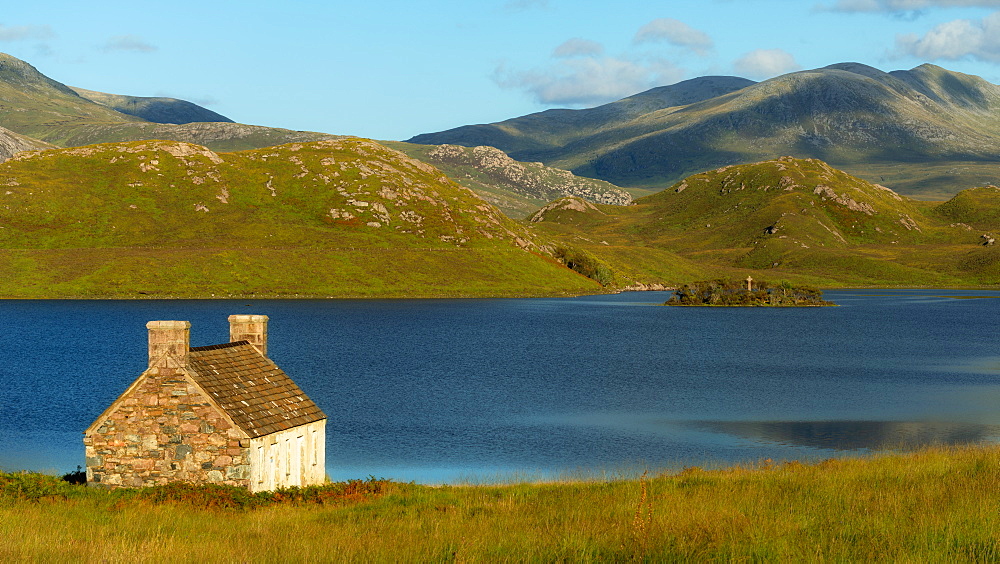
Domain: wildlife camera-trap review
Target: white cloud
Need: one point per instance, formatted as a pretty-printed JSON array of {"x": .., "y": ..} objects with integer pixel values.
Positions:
[
  {"x": 904, "y": 6},
  {"x": 23, "y": 32},
  {"x": 674, "y": 32},
  {"x": 957, "y": 39},
  {"x": 589, "y": 81},
  {"x": 128, "y": 43},
  {"x": 577, "y": 47},
  {"x": 523, "y": 5},
  {"x": 582, "y": 75},
  {"x": 765, "y": 63}
]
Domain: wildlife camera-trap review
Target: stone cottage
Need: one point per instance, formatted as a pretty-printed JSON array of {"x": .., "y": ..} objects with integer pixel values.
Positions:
[{"x": 221, "y": 414}]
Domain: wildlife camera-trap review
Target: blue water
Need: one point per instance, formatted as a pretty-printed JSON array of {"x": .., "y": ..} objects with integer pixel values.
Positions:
[{"x": 481, "y": 390}]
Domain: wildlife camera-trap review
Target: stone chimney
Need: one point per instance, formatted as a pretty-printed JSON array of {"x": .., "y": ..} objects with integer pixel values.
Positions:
[
  {"x": 251, "y": 328},
  {"x": 168, "y": 343}
]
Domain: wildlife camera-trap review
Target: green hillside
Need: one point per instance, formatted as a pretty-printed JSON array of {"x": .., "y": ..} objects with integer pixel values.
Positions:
[
  {"x": 787, "y": 218},
  {"x": 331, "y": 218},
  {"x": 977, "y": 207},
  {"x": 900, "y": 128}
]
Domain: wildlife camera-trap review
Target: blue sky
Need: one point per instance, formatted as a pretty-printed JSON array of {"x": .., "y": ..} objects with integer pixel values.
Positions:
[{"x": 393, "y": 69}]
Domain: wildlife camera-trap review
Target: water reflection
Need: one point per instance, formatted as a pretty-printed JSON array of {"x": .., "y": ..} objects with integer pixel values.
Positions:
[{"x": 854, "y": 435}]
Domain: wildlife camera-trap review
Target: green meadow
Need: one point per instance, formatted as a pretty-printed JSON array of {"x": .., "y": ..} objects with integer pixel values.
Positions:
[{"x": 935, "y": 505}]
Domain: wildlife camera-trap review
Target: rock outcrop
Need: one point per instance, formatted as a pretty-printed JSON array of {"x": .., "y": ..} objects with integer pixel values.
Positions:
[
  {"x": 12, "y": 143},
  {"x": 570, "y": 203},
  {"x": 534, "y": 180}
]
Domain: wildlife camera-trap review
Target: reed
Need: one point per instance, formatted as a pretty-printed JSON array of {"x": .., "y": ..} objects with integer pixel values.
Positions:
[{"x": 938, "y": 504}]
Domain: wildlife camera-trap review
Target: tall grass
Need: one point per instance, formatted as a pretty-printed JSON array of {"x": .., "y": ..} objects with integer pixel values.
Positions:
[{"x": 941, "y": 504}]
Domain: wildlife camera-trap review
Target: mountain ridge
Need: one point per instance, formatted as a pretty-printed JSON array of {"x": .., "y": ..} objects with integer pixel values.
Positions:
[
  {"x": 851, "y": 115},
  {"x": 154, "y": 109},
  {"x": 22, "y": 73},
  {"x": 36, "y": 106},
  {"x": 555, "y": 121}
]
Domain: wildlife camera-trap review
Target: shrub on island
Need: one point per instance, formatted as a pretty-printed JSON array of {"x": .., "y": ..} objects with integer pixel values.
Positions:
[{"x": 743, "y": 293}]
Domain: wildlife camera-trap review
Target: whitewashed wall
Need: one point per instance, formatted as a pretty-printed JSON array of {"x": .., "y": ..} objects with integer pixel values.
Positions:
[{"x": 296, "y": 457}]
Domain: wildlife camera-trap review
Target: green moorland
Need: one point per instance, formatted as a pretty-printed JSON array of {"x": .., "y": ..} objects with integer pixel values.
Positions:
[
  {"x": 341, "y": 218},
  {"x": 353, "y": 218},
  {"x": 935, "y": 505},
  {"x": 788, "y": 219}
]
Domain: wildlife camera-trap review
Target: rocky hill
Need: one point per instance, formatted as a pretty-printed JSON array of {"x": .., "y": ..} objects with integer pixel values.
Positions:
[
  {"x": 36, "y": 106},
  {"x": 786, "y": 218},
  {"x": 854, "y": 116},
  {"x": 331, "y": 218},
  {"x": 156, "y": 110},
  {"x": 514, "y": 187},
  {"x": 11, "y": 143}
]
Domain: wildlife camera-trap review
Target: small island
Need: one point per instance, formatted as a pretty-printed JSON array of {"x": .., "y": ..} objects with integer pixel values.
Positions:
[{"x": 746, "y": 293}]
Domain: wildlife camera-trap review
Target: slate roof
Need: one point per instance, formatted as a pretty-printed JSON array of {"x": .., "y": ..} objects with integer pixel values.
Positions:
[{"x": 259, "y": 397}]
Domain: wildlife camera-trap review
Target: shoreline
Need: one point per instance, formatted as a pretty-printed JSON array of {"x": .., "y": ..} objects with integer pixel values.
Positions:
[{"x": 393, "y": 296}]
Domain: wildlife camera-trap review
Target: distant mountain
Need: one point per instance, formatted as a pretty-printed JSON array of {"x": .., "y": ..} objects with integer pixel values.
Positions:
[
  {"x": 31, "y": 101},
  {"x": 851, "y": 115},
  {"x": 786, "y": 218},
  {"x": 342, "y": 218},
  {"x": 36, "y": 106},
  {"x": 515, "y": 188},
  {"x": 534, "y": 136},
  {"x": 156, "y": 110}
]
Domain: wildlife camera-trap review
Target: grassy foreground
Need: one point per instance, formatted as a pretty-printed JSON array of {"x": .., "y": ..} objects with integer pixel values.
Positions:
[{"x": 940, "y": 504}]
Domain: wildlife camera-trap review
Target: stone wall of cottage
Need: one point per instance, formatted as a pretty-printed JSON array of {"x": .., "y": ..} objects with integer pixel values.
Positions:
[{"x": 164, "y": 430}]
